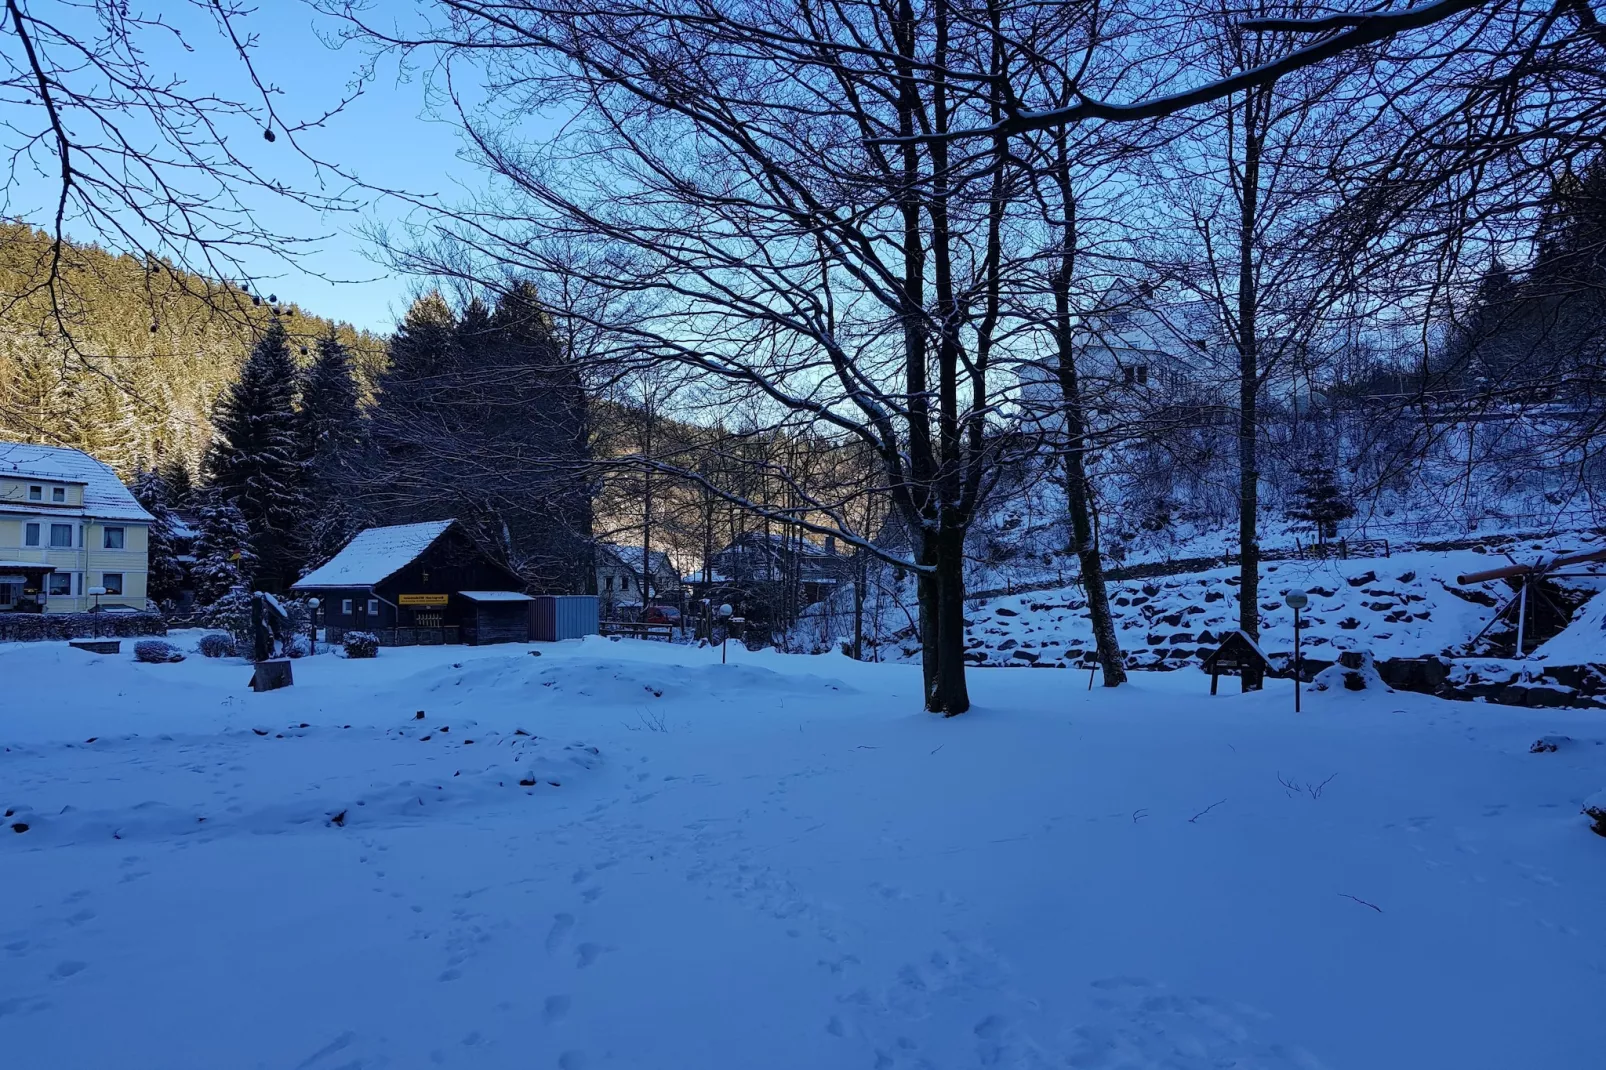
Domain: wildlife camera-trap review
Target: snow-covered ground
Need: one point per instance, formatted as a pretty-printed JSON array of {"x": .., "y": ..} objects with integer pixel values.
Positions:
[{"x": 780, "y": 863}]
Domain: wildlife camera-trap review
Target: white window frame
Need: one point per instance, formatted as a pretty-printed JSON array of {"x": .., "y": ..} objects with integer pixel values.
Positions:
[
  {"x": 59, "y": 594},
  {"x": 58, "y": 495},
  {"x": 36, "y": 493},
  {"x": 54, "y": 545},
  {"x": 373, "y": 607},
  {"x": 106, "y": 535},
  {"x": 345, "y": 606},
  {"x": 34, "y": 528},
  {"x": 121, "y": 583}
]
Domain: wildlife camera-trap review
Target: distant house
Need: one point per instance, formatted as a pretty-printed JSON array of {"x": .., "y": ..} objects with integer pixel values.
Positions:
[
  {"x": 68, "y": 526},
  {"x": 419, "y": 584},
  {"x": 1145, "y": 345},
  {"x": 772, "y": 571},
  {"x": 620, "y": 577}
]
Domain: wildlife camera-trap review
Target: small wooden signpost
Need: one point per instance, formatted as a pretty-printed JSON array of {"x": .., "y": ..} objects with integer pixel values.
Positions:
[
  {"x": 1236, "y": 653},
  {"x": 1090, "y": 662}
]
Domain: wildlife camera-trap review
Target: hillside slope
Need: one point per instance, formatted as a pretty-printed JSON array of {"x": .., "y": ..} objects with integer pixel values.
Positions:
[{"x": 149, "y": 351}]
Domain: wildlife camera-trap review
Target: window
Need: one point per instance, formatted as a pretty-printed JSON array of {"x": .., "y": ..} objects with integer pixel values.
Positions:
[
  {"x": 1135, "y": 374},
  {"x": 61, "y": 535},
  {"x": 607, "y": 584},
  {"x": 624, "y": 583},
  {"x": 373, "y": 607},
  {"x": 30, "y": 534},
  {"x": 112, "y": 581},
  {"x": 113, "y": 539},
  {"x": 61, "y": 583},
  {"x": 36, "y": 494},
  {"x": 1143, "y": 374},
  {"x": 58, "y": 494},
  {"x": 345, "y": 606}
]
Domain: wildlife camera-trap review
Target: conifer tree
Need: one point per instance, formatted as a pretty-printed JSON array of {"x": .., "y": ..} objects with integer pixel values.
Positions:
[
  {"x": 1320, "y": 500},
  {"x": 164, "y": 577},
  {"x": 331, "y": 421},
  {"x": 332, "y": 435},
  {"x": 223, "y": 556},
  {"x": 255, "y": 460}
]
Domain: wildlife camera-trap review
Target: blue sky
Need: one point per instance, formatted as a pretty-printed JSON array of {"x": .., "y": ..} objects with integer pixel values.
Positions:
[{"x": 387, "y": 137}]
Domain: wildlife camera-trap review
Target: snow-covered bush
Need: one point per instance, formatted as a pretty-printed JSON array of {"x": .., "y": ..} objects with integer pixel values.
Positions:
[
  {"x": 1595, "y": 810},
  {"x": 217, "y": 645},
  {"x": 157, "y": 652},
  {"x": 232, "y": 613},
  {"x": 296, "y": 646},
  {"x": 360, "y": 644},
  {"x": 1355, "y": 671}
]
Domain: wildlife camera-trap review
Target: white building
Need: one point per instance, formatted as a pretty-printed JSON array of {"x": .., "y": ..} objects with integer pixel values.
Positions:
[{"x": 1144, "y": 347}]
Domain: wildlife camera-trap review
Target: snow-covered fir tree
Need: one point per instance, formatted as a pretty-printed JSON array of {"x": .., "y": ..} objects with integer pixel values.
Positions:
[
  {"x": 223, "y": 555},
  {"x": 165, "y": 575},
  {"x": 1320, "y": 500},
  {"x": 331, "y": 420},
  {"x": 255, "y": 460}
]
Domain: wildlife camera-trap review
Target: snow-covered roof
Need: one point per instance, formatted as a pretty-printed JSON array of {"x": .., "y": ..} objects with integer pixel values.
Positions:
[
  {"x": 375, "y": 555},
  {"x": 35, "y": 566},
  {"x": 630, "y": 557},
  {"x": 105, "y": 497},
  {"x": 496, "y": 596}
]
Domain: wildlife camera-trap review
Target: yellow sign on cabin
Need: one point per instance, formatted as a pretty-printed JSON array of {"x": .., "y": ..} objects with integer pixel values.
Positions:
[{"x": 422, "y": 599}]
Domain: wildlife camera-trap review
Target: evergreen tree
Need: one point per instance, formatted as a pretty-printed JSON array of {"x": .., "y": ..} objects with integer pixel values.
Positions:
[
  {"x": 255, "y": 460},
  {"x": 332, "y": 437},
  {"x": 1487, "y": 341},
  {"x": 1320, "y": 500},
  {"x": 165, "y": 576},
  {"x": 179, "y": 483},
  {"x": 555, "y": 419},
  {"x": 481, "y": 417},
  {"x": 331, "y": 421},
  {"x": 223, "y": 556}
]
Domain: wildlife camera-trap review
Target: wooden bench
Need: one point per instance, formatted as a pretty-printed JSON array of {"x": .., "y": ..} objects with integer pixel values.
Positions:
[
  {"x": 666, "y": 632},
  {"x": 98, "y": 646}
]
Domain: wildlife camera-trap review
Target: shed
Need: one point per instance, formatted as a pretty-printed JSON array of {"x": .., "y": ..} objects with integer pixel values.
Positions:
[
  {"x": 412, "y": 584},
  {"x": 563, "y": 616},
  {"x": 495, "y": 617}
]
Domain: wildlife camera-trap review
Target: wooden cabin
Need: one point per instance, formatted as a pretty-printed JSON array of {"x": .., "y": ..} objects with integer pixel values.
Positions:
[{"x": 419, "y": 584}]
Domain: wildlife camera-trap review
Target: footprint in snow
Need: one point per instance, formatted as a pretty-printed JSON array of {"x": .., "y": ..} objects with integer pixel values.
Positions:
[
  {"x": 561, "y": 924},
  {"x": 555, "y": 1007}
]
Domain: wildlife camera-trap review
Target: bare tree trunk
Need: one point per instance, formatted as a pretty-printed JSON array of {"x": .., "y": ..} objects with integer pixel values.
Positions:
[
  {"x": 927, "y": 593},
  {"x": 858, "y": 604},
  {"x": 1249, "y": 387},
  {"x": 950, "y": 537},
  {"x": 1077, "y": 491}
]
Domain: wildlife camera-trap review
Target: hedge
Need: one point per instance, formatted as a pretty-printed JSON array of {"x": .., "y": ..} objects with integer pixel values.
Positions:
[{"x": 37, "y": 627}]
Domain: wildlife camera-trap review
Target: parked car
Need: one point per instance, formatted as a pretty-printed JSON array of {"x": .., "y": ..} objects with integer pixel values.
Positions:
[{"x": 663, "y": 615}]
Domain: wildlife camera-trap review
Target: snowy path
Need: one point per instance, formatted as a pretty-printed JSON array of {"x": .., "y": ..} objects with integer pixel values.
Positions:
[{"x": 779, "y": 864}]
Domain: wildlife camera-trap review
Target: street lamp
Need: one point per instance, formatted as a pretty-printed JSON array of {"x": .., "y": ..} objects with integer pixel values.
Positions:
[
  {"x": 724, "y": 636},
  {"x": 312, "y": 606},
  {"x": 1296, "y": 600},
  {"x": 97, "y": 592}
]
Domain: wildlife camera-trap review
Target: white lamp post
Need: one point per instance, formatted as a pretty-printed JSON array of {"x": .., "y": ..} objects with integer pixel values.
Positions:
[
  {"x": 312, "y": 605},
  {"x": 97, "y": 592},
  {"x": 1296, "y": 600},
  {"x": 725, "y": 622}
]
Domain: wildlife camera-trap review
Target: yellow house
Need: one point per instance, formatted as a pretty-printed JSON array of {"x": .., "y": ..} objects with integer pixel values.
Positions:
[{"x": 71, "y": 535}]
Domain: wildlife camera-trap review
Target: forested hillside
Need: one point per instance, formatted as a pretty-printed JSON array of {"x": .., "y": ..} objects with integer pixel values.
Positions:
[{"x": 150, "y": 350}]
